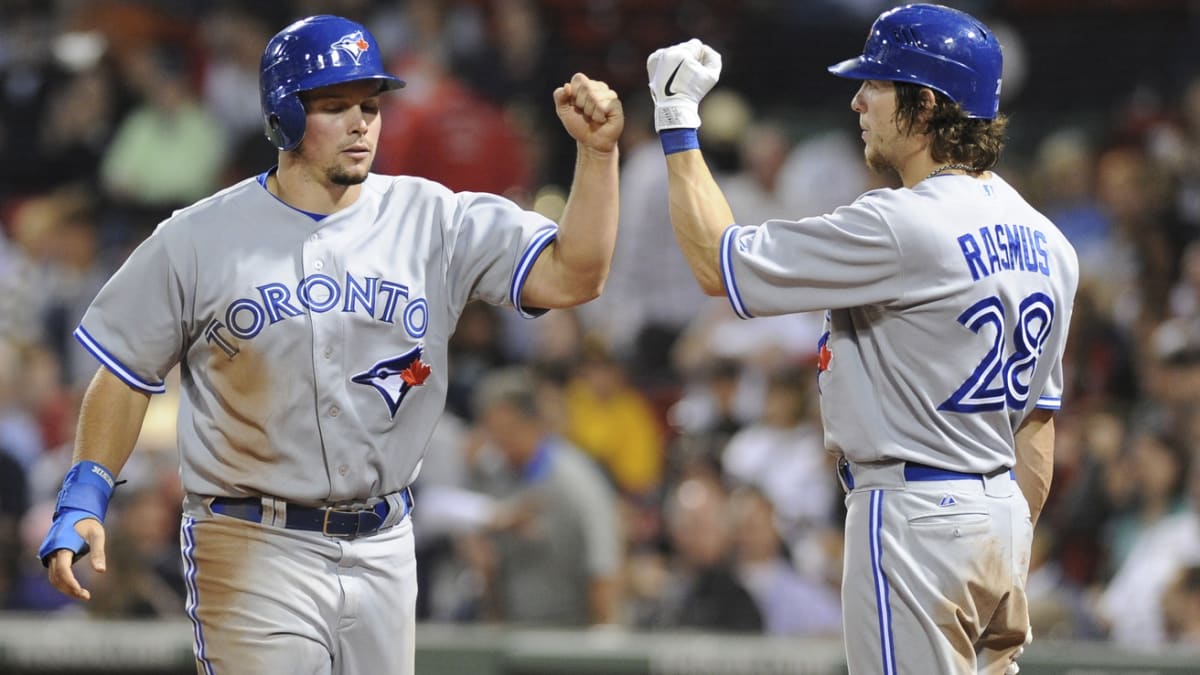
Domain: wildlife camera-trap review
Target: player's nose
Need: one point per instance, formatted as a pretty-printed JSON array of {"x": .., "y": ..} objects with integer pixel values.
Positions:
[{"x": 856, "y": 102}]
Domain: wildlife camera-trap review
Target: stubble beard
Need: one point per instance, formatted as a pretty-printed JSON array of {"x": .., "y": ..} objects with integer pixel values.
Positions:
[
  {"x": 878, "y": 162},
  {"x": 339, "y": 175}
]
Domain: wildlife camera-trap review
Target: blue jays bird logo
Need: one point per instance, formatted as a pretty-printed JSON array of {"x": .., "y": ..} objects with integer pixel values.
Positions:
[
  {"x": 353, "y": 44},
  {"x": 393, "y": 377}
]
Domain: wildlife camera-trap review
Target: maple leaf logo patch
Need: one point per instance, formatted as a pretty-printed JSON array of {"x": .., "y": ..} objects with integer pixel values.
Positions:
[{"x": 395, "y": 376}]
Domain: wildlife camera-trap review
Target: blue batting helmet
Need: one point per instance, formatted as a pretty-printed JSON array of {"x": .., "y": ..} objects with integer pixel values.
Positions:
[
  {"x": 311, "y": 53},
  {"x": 936, "y": 47}
]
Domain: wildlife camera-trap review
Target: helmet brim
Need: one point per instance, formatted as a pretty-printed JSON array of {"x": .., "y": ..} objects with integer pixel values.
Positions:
[{"x": 861, "y": 68}]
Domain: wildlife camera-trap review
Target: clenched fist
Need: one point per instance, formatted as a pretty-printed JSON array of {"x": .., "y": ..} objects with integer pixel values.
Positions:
[
  {"x": 680, "y": 76},
  {"x": 590, "y": 112}
]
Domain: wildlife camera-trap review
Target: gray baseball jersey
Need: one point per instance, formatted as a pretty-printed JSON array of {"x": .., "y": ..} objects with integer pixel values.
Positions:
[
  {"x": 948, "y": 312},
  {"x": 313, "y": 349}
]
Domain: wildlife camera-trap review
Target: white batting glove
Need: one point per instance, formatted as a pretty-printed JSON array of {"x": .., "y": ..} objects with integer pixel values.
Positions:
[{"x": 680, "y": 76}]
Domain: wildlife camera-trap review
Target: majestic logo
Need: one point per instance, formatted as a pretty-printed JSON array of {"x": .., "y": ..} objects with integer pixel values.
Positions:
[
  {"x": 947, "y": 500},
  {"x": 353, "y": 44},
  {"x": 393, "y": 377}
]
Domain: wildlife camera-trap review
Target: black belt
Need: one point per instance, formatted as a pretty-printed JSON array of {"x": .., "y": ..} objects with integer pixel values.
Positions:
[{"x": 331, "y": 521}]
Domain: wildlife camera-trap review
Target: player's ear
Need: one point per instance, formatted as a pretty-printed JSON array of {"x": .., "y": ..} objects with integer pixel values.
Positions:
[
  {"x": 926, "y": 99},
  {"x": 926, "y": 102}
]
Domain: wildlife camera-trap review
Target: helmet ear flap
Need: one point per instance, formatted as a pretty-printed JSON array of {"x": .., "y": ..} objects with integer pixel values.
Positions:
[{"x": 284, "y": 125}]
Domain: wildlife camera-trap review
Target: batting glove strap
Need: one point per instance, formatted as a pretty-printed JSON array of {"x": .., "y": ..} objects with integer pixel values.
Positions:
[
  {"x": 62, "y": 535},
  {"x": 87, "y": 487},
  {"x": 680, "y": 76}
]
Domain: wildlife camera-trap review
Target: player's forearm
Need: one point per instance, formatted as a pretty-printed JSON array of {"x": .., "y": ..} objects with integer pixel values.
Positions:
[
  {"x": 699, "y": 215},
  {"x": 110, "y": 419},
  {"x": 587, "y": 230},
  {"x": 1035, "y": 459}
]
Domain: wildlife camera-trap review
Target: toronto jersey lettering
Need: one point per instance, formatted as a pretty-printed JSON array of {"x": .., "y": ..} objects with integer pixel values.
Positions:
[
  {"x": 262, "y": 305},
  {"x": 893, "y": 269}
]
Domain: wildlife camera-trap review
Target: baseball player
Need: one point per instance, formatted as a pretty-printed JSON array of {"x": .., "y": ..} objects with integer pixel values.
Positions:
[
  {"x": 309, "y": 310},
  {"x": 947, "y": 301}
]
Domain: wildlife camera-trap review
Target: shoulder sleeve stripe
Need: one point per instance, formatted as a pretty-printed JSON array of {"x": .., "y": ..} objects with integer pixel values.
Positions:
[
  {"x": 541, "y": 240},
  {"x": 1050, "y": 402},
  {"x": 731, "y": 289},
  {"x": 116, "y": 367}
]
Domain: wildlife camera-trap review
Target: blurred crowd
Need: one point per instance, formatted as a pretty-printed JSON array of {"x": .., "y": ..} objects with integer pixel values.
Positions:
[{"x": 648, "y": 460}]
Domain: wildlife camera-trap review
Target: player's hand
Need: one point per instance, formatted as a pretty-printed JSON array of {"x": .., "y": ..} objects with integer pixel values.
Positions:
[
  {"x": 590, "y": 112},
  {"x": 60, "y": 561},
  {"x": 680, "y": 76}
]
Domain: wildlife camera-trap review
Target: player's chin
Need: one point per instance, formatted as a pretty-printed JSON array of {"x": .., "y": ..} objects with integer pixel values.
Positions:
[
  {"x": 876, "y": 161},
  {"x": 353, "y": 175}
]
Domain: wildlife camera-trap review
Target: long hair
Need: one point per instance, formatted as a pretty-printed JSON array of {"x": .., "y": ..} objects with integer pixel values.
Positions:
[{"x": 954, "y": 137}]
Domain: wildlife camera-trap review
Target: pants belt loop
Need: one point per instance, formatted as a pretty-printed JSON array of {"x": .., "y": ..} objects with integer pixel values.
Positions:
[
  {"x": 998, "y": 484},
  {"x": 844, "y": 476},
  {"x": 274, "y": 512}
]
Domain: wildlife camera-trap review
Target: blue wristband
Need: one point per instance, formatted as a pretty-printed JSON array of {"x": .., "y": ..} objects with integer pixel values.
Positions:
[
  {"x": 85, "y": 493},
  {"x": 678, "y": 140},
  {"x": 87, "y": 487}
]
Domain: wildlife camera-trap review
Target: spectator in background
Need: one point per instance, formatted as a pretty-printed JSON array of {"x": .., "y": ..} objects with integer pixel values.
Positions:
[
  {"x": 783, "y": 456},
  {"x": 703, "y": 591},
  {"x": 80, "y": 119},
  {"x": 1148, "y": 482},
  {"x": 825, "y": 171},
  {"x": 1063, "y": 177},
  {"x": 1081, "y": 506},
  {"x": 26, "y": 80},
  {"x": 761, "y": 347},
  {"x": 755, "y": 191},
  {"x": 1176, "y": 144},
  {"x": 1139, "y": 263},
  {"x": 559, "y": 566},
  {"x": 24, "y": 267},
  {"x": 78, "y": 273},
  {"x": 443, "y": 130},
  {"x": 20, "y": 438},
  {"x": 789, "y": 603},
  {"x": 475, "y": 348},
  {"x": 233, "y": 42},
  {"x": 613, "y": 422},
  {"x": 1100, "y": 362},
  {"x": 1131, "y": 606},
  {"x": 706, "y": 419},
  {"x": 169, "y": 150}
]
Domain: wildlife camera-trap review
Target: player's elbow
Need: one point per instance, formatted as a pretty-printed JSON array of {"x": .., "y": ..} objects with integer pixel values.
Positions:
[{"x": 591, "y": 290}]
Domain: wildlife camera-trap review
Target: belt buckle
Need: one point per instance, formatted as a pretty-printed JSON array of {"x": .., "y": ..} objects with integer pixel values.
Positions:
[{"x": 343, "y": 535}]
